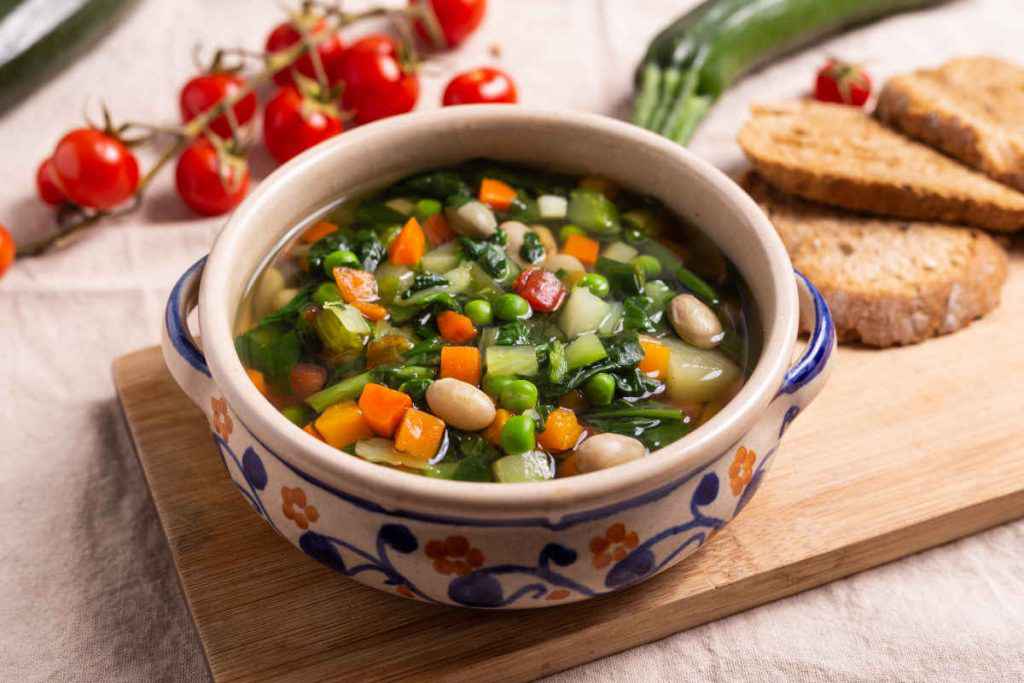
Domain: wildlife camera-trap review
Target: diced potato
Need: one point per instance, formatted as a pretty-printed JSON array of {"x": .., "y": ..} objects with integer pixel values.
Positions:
[{"x": 697, "y": 374}]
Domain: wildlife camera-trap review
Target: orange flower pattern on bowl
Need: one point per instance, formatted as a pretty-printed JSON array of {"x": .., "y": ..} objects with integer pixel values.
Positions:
[
  {"x": 454, "y": 555},
  {"x": 614, "y": 545},
  {"x": 742, "y": 470},
  {"x": 296, "y": 508}
]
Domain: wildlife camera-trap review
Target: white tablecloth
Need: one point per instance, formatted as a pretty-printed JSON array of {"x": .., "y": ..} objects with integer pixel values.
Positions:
[{"x": 87, "y": 589}]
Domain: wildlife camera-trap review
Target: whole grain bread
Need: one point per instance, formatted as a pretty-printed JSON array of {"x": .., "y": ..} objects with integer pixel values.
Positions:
[
  {"x": 971, "y": 108},
  {"x": 839, "y": 155},
  {"x": 887, "y": 282}
]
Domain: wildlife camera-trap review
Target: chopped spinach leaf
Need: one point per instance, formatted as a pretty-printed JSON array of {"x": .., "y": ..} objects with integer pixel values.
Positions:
[{"x": 532, "y": 250}]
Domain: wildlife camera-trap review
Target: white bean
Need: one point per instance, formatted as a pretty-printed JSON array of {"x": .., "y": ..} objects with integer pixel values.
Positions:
[
  {"x": 694, "y": 322},
  {"x": 547, "y": 239},
  {"x": 269, "y": 284},
  {"x": 284, "y": 297},
  {"x": 516, "y": 233},
  {"x": 460, "y": 404},
  {"x": 473, "y": 219},
  {"x": 566, "y": 262},
  {"x": 602, "y": 451}
]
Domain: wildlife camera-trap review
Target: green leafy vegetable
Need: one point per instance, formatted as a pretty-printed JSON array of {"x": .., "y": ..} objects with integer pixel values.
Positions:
[
  {"x": 369, "y": 249},
  {"x": 425, "y": 280},
  {"x": 652, "y": 423},
  {"x": 515, "y": 333},
  {"x": 625, "y": 279},
  {"x": 272, "y": 349},
  {"x": 434, "y": 184},
  {"x": 396, "y": 375},
  {"x": 532, "y": 250},
  {"x": 290, "y": 311},
  {"x": 376, "y": 215},
  {"x": 336, "y": 241},
  {"x": 490, "y": 254}
]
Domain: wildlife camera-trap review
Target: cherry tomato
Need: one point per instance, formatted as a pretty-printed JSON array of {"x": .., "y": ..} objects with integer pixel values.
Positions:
[
  {"x": 293, "y": 123},
  {"x": 206, "y": 90},
  {"x": 7, "y": 250},
  {"x": 842, "y": 83},
  {"x": 376, "y": 83},
  {"x": 458, "y": 19},
  {"x": 95, "y": 169},
  {"x": 480, "y": 86},
  {"x": 330, "y": 50},
  {"x": 211, "y": 183},
  {"x": 46, "y": 184},
  {"x": 542, "y": 289}
]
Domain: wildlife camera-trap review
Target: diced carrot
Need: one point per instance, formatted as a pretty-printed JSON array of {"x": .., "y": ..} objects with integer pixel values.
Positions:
[
  {"x": 455, "y": 327},
  {"x": 408, "y": 246},
  {"x": 655, "y": 360},
  {"x": 561, "y": 431},
  {"x": 318, "y": 232},
  {"x": 383, "y": 408},
  {"x": 311, "y": 430},
  {"x": 419, "y": 434},
  {"x": 583, "y": 248},
  {"x": 496, "y": 194},
  {"x": 371, "y": 311},
  {"x": 355, "y": 285},
  {"x": 437, "y": 230},
  {"x": 343, "y": 424},
  {"x": 258, "y": 379},
  {"x": 493, "y": 432},
  {"x": 567, "y": 466},
  {"x": 461, "y": 362}
]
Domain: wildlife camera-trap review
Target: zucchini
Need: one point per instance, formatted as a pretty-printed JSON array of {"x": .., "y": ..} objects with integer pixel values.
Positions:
[
  {"x": 345, "y": 390},
  {"x": 582, "y": 312},
  {"x": 512, "y": 360},
  {"x": 696, "y": 58},
  {"x": 620, "y": 251},
  {"x": 443, "y": 258},
  {"x": 524, "y": 467},
  {"x": 585, "y": 350},
  {"x": 37, "y": 39}
]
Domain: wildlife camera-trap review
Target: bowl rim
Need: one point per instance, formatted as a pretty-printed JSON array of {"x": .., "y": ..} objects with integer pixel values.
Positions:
[{"x": 353, "y": 474}]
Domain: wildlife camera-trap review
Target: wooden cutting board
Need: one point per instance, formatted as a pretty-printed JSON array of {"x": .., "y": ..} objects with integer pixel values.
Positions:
[{"x": 904, "y": 450}]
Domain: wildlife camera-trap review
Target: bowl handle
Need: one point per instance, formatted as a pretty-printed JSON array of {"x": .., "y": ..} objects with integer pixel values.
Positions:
[
  {"x": 806, "y": 378},
  {"x": 183, "y": 357}
]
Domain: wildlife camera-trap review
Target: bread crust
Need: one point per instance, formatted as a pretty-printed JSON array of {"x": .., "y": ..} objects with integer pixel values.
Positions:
[
  {"x": 838, "y": 155},
  {"x": 971, "y": 108},
  {"x": 887, "y": 282}
]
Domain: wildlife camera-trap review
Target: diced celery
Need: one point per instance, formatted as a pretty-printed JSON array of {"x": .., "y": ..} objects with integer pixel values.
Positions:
[
  {"x": 524, "y": 467},
  {"x": 424, "y": 294},
  {"x": 345, "y": 390},
  {"x": 582, "y": 312},
  {"x": 584, "y": 350},
  {"x": 442, "y": 259},
  {"x": 551, "y": 206},
  {"x": 383, "y": 451},
  {"x": 593, "y": 212},
  {"x": 401, "y": 205},
  {"x": 659, "y": 293},
  {"x": 488, "y": 337},
  {"x": 459, "y": 279},
  {"x": 612, "y": 322},
  {"x": 393, "y": 281},
  {"x": 620, "y": 251},
  {"x": 342, "y": 328},
  {"x": 442, "y": 470},
  {"x": 512, "y": 360},
  {"x": 698, "y": 374}
]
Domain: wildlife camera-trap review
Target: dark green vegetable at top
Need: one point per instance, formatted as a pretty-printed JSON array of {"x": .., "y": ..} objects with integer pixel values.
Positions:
[
  {"x": 625, "y": 279},
  {"x": 490, "y": 254},
  {"x": 433, "y": 184},
  {"x": 532, "y": 250},
  {"x": 696, "y": 58}
]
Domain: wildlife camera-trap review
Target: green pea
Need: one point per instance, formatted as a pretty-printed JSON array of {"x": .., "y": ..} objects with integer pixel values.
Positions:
[
  {"x": 342, "y": 258},
  {"x": 494, "y": 384},
  {"x": 389, "y": 233},
  {"x": 511, "y": 307},
  {"x": 568, "y": 230},
  {"x": 518, "y": 395},
  {"x": 479, "y": 311},
  {"x": 600, "y": 389},
  {"x": 299, "y": 415},
  {"x": 517, "y": 436},
  {"x": 596, "y": 283},
  {"x": 633, "y": 236},
  {"x": 425, "y": 208},
  {"x": 326, "y": 292},
  {"x": 649, "y": 264}
]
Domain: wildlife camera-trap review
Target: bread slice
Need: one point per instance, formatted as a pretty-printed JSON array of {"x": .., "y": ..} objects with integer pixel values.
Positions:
[
  {"x": 839, "y": 155},
  {"x": 887, "y": 282},
  {"x": 970, "y": 108}
]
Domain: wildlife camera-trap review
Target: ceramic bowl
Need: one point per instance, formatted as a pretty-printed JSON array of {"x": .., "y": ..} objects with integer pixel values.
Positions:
[{"x": 497, "y": 545}]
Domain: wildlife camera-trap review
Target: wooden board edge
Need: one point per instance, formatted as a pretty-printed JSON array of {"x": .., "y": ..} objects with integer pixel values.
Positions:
[
  {"x": 117, "y": 369},
  {"x": 781, "y": 582}
]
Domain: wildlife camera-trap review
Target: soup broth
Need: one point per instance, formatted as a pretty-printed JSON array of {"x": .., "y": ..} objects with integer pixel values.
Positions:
[{"x": 487, "y": 322}]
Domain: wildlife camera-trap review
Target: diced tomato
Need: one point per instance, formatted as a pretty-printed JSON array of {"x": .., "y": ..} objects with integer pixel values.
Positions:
[{"x": 541, "y": 288}]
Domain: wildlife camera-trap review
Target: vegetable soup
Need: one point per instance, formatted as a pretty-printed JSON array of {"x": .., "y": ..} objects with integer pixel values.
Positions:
[{"x": 487, "y": 322}]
